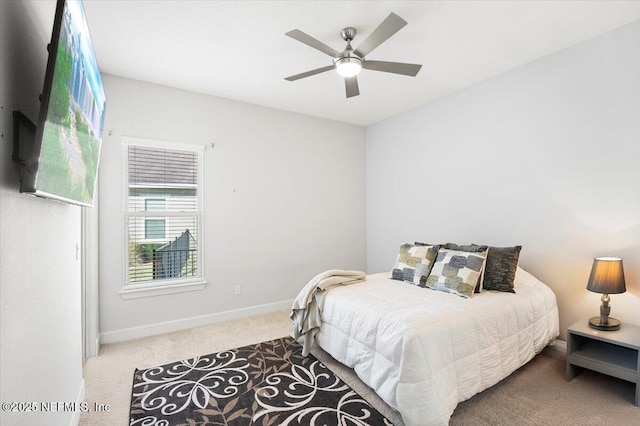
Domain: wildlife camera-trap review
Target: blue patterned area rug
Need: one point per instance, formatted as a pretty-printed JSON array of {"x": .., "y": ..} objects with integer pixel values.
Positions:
[{"x": 267, "y": 384}]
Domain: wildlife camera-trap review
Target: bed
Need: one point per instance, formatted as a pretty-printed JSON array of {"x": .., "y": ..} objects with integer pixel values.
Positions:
[{"x": 424, "y": 351}]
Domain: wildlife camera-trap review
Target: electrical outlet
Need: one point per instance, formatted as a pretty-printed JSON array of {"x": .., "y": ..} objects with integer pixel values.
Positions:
[{"x": 238, "y": 290}]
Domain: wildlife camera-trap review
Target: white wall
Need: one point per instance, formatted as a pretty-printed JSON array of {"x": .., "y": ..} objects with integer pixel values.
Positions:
[
  {"x": 40, "y": 333},
  {"x": 546, "y": 155},
  {"x": 284, "y": 200}
]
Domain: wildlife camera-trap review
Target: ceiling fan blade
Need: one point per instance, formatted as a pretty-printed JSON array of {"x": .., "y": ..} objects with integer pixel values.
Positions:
[
  {"x": 351, "y": 84},
  {"x": 391, "y": 25},
  {"x": 310, "y": 73},
  {"x": 394, "y": 67},
  {"x": 312, "y": 42}
]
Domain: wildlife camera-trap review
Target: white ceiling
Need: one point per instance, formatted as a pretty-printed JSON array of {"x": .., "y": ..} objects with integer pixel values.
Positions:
[{"x": 238, "y": 50}]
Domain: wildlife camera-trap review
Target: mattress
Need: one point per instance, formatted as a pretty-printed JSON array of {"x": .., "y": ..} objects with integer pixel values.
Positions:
[{"x": 424, "y": 351}]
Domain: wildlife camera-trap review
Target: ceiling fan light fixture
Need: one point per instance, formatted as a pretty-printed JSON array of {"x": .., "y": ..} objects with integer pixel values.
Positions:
[
  {"x": 350, "y": 61},
  {"x": 348, "y": 66}
]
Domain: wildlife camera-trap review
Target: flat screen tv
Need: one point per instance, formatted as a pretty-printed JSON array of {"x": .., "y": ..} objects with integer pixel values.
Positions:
[{"x": 66, "y": 150}]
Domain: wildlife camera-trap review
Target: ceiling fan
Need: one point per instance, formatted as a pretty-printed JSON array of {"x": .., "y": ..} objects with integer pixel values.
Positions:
[{"x": 350, "y": 62}]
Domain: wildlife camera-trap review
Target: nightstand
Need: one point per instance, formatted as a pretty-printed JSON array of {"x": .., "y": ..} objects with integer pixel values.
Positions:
[{"x": 614, "y": 353}]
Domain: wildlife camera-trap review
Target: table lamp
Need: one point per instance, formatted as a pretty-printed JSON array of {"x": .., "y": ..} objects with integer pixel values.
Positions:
[{"x": 607, "y": 277}]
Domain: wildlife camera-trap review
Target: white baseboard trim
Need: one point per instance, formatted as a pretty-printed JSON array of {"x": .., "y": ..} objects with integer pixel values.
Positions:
[
  {"x": 185, "y": 323},
  {"x": 75, "y": 420},
  {"x": 559, "y": 345}
]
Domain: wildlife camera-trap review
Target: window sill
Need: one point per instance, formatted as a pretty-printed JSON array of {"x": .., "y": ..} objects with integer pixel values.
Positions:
[{"x": 135, "y": 291}]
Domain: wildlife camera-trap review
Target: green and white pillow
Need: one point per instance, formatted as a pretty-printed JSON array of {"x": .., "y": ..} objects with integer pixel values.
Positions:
[
  {"x": 474, "y": 248},
  {"x": 456, "y": 271},
  {"x": 414, "y": 263}
]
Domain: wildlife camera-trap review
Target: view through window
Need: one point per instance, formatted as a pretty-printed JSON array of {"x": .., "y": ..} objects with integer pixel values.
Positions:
[{"x": 163, "y": 214}]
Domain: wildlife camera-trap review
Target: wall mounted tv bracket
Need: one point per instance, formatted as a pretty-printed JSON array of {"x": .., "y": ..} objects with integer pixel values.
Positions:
[{"x": 24, "y": 135}]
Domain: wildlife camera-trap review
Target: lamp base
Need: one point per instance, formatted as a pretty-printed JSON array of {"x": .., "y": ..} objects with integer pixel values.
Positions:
[{"x": 611, "y": 325}]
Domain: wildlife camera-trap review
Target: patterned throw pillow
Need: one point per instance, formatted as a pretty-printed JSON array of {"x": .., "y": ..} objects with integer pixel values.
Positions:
[
  {"x": 500, "y": 270},
  {"x": 456, "y": 271},
  {"x": 473, "y": 248},
  {"x": 414, "y": 263}
]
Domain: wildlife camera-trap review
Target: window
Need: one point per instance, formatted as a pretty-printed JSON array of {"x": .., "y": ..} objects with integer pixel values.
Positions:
[
  {"x": 163, "y": 210},
  {"x": 154, "y": 228}
]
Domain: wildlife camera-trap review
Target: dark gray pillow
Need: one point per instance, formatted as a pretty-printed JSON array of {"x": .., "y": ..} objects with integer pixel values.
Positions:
[
  {"x": 471, "y": 248},
  {"x": 500, "y": 269},
  {"x": 418, "y": 243}
]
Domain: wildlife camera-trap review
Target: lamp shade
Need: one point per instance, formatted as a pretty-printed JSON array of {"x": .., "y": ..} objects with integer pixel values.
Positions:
[
  {"x": 348, "y": 66},
  {"x": 607, "y": 276}
]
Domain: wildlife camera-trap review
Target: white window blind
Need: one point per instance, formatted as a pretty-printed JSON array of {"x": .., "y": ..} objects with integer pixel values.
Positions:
[{"x": 164, "y": 214}]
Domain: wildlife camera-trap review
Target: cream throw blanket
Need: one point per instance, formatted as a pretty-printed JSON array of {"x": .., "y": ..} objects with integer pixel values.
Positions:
[{"x": 307, "y": 307}]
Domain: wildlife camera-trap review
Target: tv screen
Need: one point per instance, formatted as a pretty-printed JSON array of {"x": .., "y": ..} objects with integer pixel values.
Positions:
[{"x": 66, "y": 151}]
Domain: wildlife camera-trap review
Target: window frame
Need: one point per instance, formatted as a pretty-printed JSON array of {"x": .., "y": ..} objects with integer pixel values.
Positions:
[{"x": 130, "y": 289}]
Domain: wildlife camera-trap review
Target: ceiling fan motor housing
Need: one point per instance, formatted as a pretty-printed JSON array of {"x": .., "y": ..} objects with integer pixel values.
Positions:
[{"x": 348, "y": 63}]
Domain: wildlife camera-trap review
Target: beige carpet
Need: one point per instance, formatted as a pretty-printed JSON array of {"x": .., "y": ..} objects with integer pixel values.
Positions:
[{"x": 536, "y": 394}]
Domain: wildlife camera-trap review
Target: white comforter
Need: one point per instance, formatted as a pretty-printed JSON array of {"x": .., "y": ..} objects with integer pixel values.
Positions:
[{"x": 423, "y": 351}]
